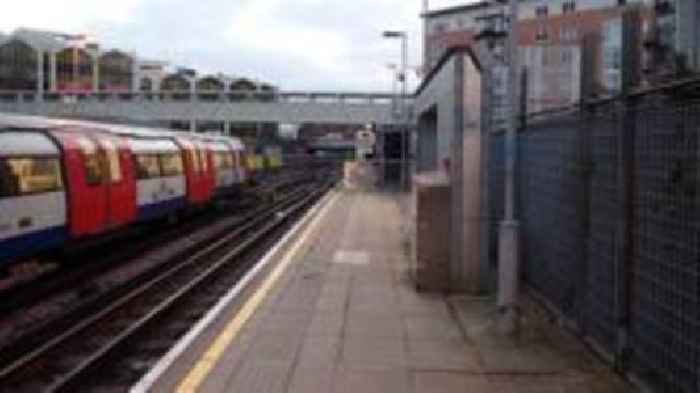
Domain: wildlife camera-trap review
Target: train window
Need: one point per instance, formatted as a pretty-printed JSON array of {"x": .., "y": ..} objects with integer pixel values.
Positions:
[
  {"x": 147, "y": 166},
  {"x": 115, "y": 169},
  {"x": 203, "y": 160},
  {"x": 94, "y": 170},
  {"x": 222, "y": 160},
  {"x": 23, "y": 176},
  {"x": 171, "y": 164},
  {"x": 194, "y": 159}
]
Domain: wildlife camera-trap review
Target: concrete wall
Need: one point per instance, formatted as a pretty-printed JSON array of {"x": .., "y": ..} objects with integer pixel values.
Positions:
[
  {"x": 454, "y": 93},
  {"x": 426, "y": 142},
  {"x": 441, "y": 95}
]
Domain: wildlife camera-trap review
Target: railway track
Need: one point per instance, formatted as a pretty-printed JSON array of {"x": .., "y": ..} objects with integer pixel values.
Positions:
[
  {"x": 32, "y": 313},
  {"x": 109, "y": 348}
]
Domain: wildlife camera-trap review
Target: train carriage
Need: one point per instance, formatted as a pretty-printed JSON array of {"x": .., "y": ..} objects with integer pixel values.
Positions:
[
  {"x": 33, "y": 214},
  {"x": 64, "y": 181},
  {"x": 161, "y": 184},
  {"x": 223, "y": 165}
]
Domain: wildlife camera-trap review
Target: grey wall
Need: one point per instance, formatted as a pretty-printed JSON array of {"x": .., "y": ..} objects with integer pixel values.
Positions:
[
  {"x": 441, "y": 93},
  {"x": 426, "y": 142},
  {"x": 449, "y": 111}
]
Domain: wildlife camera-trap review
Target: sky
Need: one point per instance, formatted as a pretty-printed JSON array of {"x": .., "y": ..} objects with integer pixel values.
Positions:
[{"x": 295, "y": 44}]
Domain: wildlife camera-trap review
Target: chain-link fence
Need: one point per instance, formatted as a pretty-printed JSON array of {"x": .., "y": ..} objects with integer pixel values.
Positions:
[{"x": 609, "y": 203}]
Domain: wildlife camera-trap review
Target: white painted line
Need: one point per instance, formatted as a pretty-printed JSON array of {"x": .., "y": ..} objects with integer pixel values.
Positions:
[
  {"x": 351, "y": 257},
  {"x": 147, "y": 381}
]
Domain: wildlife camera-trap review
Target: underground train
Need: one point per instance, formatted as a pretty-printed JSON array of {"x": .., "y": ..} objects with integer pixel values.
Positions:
[{"x": 63, "y": 182}]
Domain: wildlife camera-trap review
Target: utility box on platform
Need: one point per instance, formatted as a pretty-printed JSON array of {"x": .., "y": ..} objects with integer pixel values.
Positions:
[{"x": 431, "y": 267}]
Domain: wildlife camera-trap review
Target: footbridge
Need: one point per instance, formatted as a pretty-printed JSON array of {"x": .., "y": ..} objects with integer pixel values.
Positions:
[{"x": 229, "y": 107}]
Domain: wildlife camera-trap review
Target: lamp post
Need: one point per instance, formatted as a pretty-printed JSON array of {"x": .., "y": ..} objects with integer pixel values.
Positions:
[
  {"x": 394, "y": 77},
  {"x": 404, "y": 110},
  {"x": 509, "y": 234}
]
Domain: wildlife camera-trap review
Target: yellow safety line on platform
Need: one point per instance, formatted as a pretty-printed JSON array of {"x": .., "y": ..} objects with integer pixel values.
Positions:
[{"x": 211, "y": 357}]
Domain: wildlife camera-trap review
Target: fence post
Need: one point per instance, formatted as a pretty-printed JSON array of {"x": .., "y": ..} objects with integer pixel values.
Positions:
[
  {"x": 626, "y": 184},
  {"x": 585, "y": 172}
]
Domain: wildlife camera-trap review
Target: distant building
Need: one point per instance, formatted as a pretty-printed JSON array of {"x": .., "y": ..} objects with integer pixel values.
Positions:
[
  {"x": 41, "y": 60},
  {"x": 551, "y": 36},
  {"x": 150, "y": 74}
]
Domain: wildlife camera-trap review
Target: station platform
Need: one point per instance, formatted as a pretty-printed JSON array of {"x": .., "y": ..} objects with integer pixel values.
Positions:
[{"x": 338, "y": 313}]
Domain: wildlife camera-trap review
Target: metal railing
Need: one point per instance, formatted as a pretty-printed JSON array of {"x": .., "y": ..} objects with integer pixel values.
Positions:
[
  {"x": 609, "y": 202},
  {"x": 203, "y": 95}
]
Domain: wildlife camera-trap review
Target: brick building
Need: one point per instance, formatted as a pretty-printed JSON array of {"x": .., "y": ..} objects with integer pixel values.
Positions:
[{"x": 551, "y": 37}]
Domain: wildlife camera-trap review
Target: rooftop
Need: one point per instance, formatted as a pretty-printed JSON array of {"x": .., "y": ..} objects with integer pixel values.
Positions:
[{"x": 460, "y": 8}]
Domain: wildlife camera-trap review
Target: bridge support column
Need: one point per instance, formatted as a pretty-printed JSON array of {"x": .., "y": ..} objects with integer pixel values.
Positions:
[
  {"x": 193, "y": 125},
  {"x": 53, "y": 81},
  {"x": 95, "y": 74},
  {"x": 40, "y": 74},
  {"x": 227, "y": 128}
]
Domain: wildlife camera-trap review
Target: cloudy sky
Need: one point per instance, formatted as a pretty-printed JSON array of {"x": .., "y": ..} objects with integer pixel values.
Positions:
[{"x": 297, "y": 44}]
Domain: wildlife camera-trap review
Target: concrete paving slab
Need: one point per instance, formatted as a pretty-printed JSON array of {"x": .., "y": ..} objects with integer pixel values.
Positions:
[
  {"x": 319, "y": 352},
  {"x": 430, "y": 327},
  {"x": 278, "y": 349},
  {"x": 312, "y": 380},
  {"x": 449, "y": 382},
  {"x": 371, "y": 381},
  {"x": 374, "y": 353},
  {"x": 370, "y": 325},
  {"x": 252, "y": 377},
  {"x": 452, "y": 355},
  {"x": 326, "y": 324}
]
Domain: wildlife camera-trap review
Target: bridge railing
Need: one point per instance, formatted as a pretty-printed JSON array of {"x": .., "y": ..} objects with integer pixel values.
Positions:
[{"x": 232, "y": 96}]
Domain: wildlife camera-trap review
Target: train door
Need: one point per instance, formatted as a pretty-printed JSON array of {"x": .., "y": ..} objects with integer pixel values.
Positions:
[
  {"x": 119, "y": 179},
  {"x": 87, "y": 194},
  {"x": 207, "y": 166},
  {"x": 192, "y": 170}
]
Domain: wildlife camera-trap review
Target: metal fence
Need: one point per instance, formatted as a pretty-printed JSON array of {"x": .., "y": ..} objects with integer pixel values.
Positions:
[{"x": 609, "y": 203}]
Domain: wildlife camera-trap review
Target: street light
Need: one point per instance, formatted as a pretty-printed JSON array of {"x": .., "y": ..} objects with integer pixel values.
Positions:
[
  {"x": 392, "y": 34},
  {"x": 509, "y": 234},
  {"x": 394, "y": 78}
]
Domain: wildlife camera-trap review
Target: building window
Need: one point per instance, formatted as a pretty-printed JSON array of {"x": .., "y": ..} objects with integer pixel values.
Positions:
[
  {"x": 541, "y": 11},
  {"x": 568, "y": 34},
  {"x": 568, "y": 7},
  {"x": 566, "y": 57},
  {"x": 542, "y": 33}
]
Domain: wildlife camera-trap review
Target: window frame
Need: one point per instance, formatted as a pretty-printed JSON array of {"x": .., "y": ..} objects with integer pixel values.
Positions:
[
  {"x": 568, "y": 7},
  {"x": 542, "y": 11},
  {"x": 60, "y": 173},
  {"x": 163, "y": 173},
  {"x": 137, "y": 166}
]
